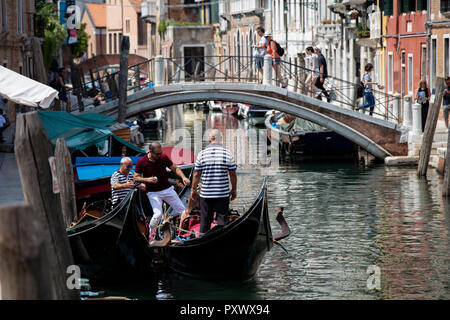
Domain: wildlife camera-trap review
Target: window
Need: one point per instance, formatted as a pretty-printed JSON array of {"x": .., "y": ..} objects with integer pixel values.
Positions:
[
  {"x": 403, "y": 74},
  {"x": 3, "y": 15},
  {"x": 19, "y": 17},
  {"x": 390, "y": 72},
  {"x": 446, "y": 56},
  {"x": 421, "y": 4},
  {"x": 433, "y": 55},
  {"x": 388, "y": 7},
  {"x": 127, "y": 25},
  {"x": 445, "y": 6},
  {"x": 115, "y": 42},
  {"x": 407, "y": 6},
  {"x": 110, "y": 43},
  {"x": 142, "y": 32},
  {"x": 410, "y": 74},
  {"x": 423, "y": 68}
]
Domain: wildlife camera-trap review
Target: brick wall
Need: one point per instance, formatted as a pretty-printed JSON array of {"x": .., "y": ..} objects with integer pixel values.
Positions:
[{"x": 15, "y": 49}]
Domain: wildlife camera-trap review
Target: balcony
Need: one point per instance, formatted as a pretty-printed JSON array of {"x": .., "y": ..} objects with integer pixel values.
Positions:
[
  {"x": 354, "y": 2},
  {"x": 245, "y": 6},
  {"x": 445, "y": 8},
  {"x": 148, "y": 9}
]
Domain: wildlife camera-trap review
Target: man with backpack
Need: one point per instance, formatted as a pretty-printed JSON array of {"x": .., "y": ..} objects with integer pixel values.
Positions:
[{"x": 275, "y": 50}]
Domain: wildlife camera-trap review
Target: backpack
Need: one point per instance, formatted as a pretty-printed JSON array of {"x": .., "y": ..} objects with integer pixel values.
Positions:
[
  {"x": 280, "y": 50},
  {"x": 360, "y": 90}
]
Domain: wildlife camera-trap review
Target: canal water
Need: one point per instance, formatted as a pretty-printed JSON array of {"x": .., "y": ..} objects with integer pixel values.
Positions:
[{"x": 357, "y": 232}]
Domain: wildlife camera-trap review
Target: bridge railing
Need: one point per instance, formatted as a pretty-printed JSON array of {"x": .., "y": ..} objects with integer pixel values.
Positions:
[
  {"x": 234, "y": 69},
  {"x": 104, "y": 83},
  {"x": 340, "y": 91},
  {"x": 297, "y": 77},
  {"x": 209, "y": 68}
]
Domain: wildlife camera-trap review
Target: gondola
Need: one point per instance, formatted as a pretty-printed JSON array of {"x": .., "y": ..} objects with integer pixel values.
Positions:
[
  {"x": 95, "y": 238},
  {"x": 232, "y": 252},
  {"x": 102, "y": 241}
]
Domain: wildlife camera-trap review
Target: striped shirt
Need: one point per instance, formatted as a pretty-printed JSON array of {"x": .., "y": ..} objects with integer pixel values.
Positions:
[
  {"x": 119, "y": 194},
  {"x": 215, "y": 162}
]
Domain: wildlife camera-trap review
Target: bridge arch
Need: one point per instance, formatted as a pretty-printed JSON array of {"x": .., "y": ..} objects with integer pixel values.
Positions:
[{"x": 165, "y": 96}]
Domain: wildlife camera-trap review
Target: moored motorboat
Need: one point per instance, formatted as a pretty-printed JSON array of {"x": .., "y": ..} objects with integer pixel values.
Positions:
[
  {"x": 255, "y": 114},
  {"x": 230, "y": 108},
  {"x": 215, "y": 106},
  {"x": 305, "y": 139}
]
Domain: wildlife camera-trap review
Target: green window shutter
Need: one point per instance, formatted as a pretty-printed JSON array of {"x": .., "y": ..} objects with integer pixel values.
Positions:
[
  {"x": 421, "y": 4},
  {"x": 404, "y": 6},
  {"x": 388, "y": 7}
]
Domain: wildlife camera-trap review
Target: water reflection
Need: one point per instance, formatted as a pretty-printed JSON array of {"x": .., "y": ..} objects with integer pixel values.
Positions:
[{"x": 343, "y": 219}]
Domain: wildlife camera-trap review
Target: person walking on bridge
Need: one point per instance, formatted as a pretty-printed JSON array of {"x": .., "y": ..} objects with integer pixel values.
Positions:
[
  {"x": 272, "y": 50},
  {"x": 261, "y": 51},
  {"x": 323, "y": 74},
  {"x": 368, "y": 91}
]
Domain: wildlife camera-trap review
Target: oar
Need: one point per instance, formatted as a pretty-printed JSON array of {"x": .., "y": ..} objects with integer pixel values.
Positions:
[{"x": 281, "y": 246}]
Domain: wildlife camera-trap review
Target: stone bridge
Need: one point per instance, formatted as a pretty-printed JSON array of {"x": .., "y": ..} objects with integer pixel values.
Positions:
[{"x": 379, "y": 137}]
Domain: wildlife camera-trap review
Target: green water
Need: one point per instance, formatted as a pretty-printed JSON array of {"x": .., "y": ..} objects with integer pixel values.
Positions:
[{"x": 344, "y": 218}]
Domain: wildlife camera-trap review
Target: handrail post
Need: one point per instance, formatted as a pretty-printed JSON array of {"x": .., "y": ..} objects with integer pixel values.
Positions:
[
  {"x": 267, "y": 69},
  {"x": 159, "y": 71},
  {"x": 396, "y": 107},
  {"x": 417, "y": 118},
  {"x": 407, "y": 112}
]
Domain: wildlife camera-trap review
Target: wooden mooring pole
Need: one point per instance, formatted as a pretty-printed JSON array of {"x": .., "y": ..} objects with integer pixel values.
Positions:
[
  {"x": 430, "y": 128},
  {"x": 123, "y": 78},
  {"x": 64, "y": 172},
  {"x": 25, "y": 273},
  {"x": 33, "y": 150}
]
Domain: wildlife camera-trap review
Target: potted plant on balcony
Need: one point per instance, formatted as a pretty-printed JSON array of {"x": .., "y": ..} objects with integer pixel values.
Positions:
[{"x": 362, "y": 31}]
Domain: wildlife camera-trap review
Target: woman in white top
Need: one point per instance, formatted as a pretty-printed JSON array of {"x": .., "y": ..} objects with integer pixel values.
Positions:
[{"x": 312, "y": 76}]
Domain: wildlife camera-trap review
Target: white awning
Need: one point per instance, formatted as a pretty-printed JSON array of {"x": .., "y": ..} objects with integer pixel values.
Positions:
[{"x": 26, "y": 91}]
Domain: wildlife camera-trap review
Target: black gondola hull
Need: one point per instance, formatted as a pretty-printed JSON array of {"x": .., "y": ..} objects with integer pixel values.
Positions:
[{"x": 233, "y": 252}]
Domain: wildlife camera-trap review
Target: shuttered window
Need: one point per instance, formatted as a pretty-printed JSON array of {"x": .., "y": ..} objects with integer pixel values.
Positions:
[
  {"x": 421, "y": 4},
  {"x": 407, "y": 6},
  {"x": 445, "y": 6},
  {"x": 388, "y": 7}
]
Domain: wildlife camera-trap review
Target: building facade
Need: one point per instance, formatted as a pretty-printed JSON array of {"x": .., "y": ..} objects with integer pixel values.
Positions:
[
  {"x": 439, "y": 40},
  {"x": 17, "y": 38},
  {"x": 406, "y": 46},
  {"x": 109, "y": 21}
]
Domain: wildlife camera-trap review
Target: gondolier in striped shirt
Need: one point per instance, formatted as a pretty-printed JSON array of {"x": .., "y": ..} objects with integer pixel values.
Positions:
[
  {"x": 216, "y": 167},
  {"x": 122, "y": 181}
]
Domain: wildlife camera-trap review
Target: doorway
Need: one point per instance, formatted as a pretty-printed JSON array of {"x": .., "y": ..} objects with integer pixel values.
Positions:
[{"x": 194, "y": 59}]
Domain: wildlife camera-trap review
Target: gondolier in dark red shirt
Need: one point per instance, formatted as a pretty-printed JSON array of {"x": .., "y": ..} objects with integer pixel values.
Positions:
[{"x": 151, "y": 170}]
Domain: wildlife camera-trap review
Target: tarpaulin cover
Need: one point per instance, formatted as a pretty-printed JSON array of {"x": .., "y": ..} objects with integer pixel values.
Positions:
[
  {"x": 80, "y": 131},
  {"x": 26, "y": 91}
]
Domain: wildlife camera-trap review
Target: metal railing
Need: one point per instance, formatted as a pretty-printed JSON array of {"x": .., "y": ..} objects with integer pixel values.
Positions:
[
  {"x": 104, "y": 85},
  {"x": 238, "y": 69}
]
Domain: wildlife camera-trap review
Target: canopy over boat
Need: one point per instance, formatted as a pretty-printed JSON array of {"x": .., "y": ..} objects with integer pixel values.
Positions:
[
  {"x": 81, "y": 131},
  {"x": 26, "y": 91}
]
